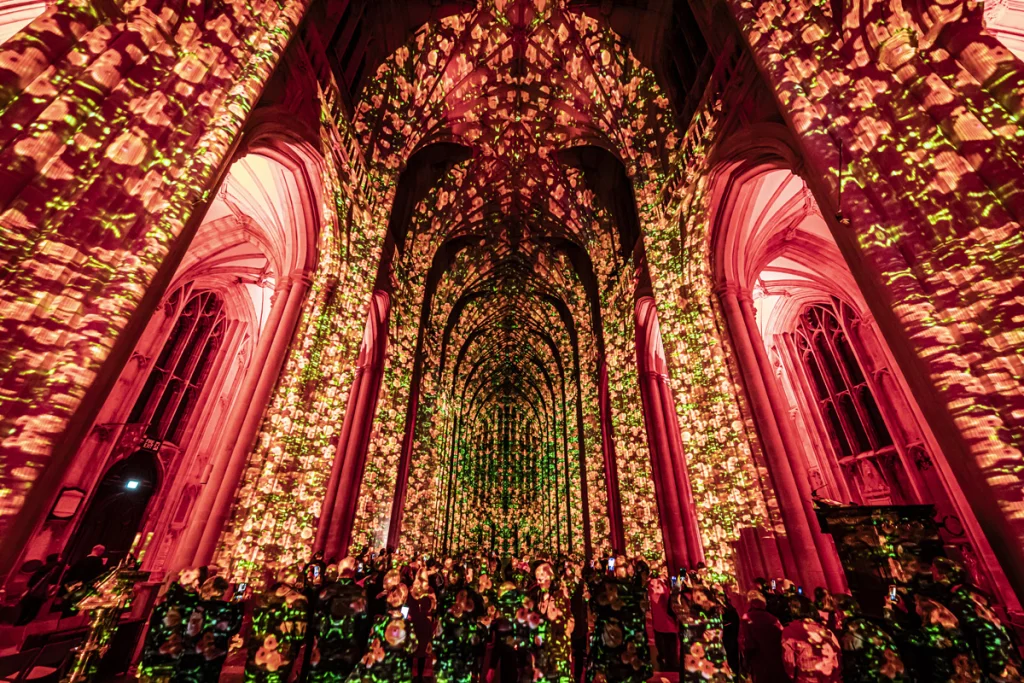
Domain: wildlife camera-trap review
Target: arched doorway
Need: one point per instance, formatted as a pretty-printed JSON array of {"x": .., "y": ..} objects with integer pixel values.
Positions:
[{"x": 117, "y": 509}]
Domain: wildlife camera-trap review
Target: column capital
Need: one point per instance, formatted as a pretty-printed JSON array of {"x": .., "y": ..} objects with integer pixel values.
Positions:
[
  {"x": 731, "y": 289},
  {"x": 300, "y": 277},
  {"x": 722, "y": 290}
]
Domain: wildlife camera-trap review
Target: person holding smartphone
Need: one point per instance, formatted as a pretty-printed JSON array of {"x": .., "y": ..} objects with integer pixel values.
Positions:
[
  {"x": 392, "y": 639},
  {"x": 666, "y": 632},
  {"x": 341, "y": 625}
]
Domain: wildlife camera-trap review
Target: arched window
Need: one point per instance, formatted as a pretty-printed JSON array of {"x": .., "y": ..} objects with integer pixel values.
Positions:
[
  {"x": 176, "y": 381},
  {"x": 849, "y": 413}
]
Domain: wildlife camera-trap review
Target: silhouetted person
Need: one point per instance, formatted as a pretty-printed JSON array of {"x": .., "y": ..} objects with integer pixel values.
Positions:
[
  {"x": 731, "y": 635},
  {"x": 761, "y": 642},
  {"x": 580, "y": 633},
  {"x": 666, "y": 630},
  {"x": 38, "y": 589},
  {"x": 80, "y": 576}
]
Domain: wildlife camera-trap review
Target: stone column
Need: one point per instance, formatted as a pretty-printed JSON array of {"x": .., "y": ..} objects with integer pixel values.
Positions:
[
  {"x": 327, "y": 530},
  {"x": 266, "y": 379},
  {"x": 408, "y": 441},
  {"x": 809, "y": 570},
  {"x": 336, "y": 522},
  {"x": 691, "y": 530},
  {"x": 791, "y": 442},
  {"x": 611, "y": 473},
  {"x": 669, "y": 499}
]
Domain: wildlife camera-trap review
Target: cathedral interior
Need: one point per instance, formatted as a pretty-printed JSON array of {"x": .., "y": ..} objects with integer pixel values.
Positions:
[{"x": 678, "y": 280}]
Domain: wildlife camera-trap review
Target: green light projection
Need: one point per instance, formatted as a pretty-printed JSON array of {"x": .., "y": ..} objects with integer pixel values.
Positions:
[
  {"x": 112, "y": 130},
  {"x": 926, "y": 109},
  {"x": 516, "y": 81}
]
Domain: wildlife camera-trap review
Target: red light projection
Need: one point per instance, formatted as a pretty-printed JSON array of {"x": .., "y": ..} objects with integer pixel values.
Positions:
[{"x": 112, "y": 130}]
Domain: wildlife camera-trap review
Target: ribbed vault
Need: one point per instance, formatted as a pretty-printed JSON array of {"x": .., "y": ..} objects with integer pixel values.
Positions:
[{"x": 511, "y": 265}]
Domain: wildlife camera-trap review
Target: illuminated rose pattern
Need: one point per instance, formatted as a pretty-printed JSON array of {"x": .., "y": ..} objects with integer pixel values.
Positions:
[
  {"x": 591, "y": 86},
  {"x": 920, "y": 105},
  {"x": 279, "y": 500},
  {"x": 136, "y": 114},
  {"x": 112, "y": 131}
]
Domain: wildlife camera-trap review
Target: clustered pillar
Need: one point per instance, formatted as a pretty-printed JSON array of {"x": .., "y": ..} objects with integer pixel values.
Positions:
[
  {"x": 812, "y": 559},
  {"x": 668, "y": 460},
  {"x": 243, "y": 423},
  {"x": 338, "y": 515}
]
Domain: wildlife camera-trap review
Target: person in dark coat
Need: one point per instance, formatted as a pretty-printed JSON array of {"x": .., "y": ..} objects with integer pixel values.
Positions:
[
  {"x": 581, "y": 630},
  {"x": 79, "y": 578},
  {"x": 731, "y": 634},
  {"x": 339, "y": 624},
  {"x": 88, "y": 568},
  {"x": 422, "y": 608},
  {"x": 38, "y": 589},
  {"x": 761, "y": 642}
]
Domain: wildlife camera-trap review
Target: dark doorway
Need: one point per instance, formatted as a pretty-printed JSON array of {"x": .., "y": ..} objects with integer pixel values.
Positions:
[{"x": 117, "y": 510}]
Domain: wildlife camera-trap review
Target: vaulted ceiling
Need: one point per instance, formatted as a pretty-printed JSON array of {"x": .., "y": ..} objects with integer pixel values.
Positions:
[
  {"x": 515, "y": 137},
  {"x": 666, "y": 36},
  {"x": 518, "y": 137}
]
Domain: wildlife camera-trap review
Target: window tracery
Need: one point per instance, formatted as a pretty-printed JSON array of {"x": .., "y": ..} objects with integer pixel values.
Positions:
[
  {"x": 847, "y": 407},
  {"x": 176, "y": 381}
]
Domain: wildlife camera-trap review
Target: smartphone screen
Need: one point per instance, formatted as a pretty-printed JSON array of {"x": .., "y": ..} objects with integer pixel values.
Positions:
[
  {"x": 360, "y": 567},
  {"x": 240, "y": 590},
  {"x": 773, "y": 584},
  {"x": 405, "y": 611},
  {"x": 800, "y": 590},
  {"x": 892, "y": 592},
  {"x": 611, "y": 564}
]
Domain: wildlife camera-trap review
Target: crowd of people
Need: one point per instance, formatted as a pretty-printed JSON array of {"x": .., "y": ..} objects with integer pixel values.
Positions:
[
  {"x": 381, "y": 616},
  {"x": 936, "y": 628}
]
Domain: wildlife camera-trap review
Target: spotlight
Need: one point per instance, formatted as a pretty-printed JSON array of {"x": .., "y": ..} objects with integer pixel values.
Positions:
[{"x": 132, "y": 484}]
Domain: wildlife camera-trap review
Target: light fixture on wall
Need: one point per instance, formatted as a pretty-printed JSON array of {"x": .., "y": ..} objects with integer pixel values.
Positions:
[{"x": 69, "y": 500}]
